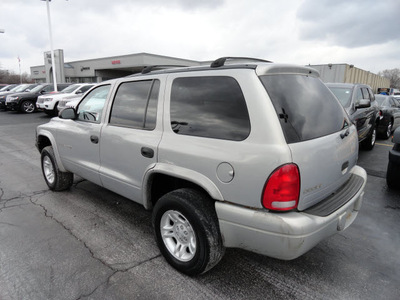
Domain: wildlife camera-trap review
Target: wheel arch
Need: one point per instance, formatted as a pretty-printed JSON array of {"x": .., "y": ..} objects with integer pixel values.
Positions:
[
  {"x": 164, "y": 178},
  {"x": 44, "y": 139}
]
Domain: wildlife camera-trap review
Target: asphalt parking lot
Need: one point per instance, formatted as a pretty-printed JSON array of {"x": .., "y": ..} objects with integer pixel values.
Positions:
[{"x": 89, "y": 243}]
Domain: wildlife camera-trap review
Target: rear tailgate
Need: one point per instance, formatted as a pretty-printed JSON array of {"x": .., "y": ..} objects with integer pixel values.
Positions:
[
  {"x": 322, "y": 140},
  {"x": 325, "y": 164}
]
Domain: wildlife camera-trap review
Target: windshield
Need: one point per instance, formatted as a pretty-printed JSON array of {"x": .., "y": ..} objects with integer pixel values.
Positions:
[
  {"x": 305, "y": 107},
  {"x": 343, "y": 95},
  {"x": 382, "y": 100},
  {"x": 4, "y": 88},
  {"x": 37, "y": 89},
  {"x": 20, "y": 88},
  {"x": 70, "y": 88}
]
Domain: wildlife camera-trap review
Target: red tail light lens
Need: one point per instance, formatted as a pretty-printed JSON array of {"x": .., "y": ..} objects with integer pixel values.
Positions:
[{"x": 282, "y": 189}]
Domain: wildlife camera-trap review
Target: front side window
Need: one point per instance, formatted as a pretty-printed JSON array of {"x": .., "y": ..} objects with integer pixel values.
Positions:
[
  {"x": 305, "y": 107},
  {"x": 135, "y": 104},
  {"x": 212, "y": 107},
  {"x": 91, "y": 107},
  {"x": 366, "y": 93},
  {"x": 359, "y": 95}
]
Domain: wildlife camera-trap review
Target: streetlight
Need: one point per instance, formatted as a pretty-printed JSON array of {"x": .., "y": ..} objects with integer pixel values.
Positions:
[{"x": 51, "y": 45}]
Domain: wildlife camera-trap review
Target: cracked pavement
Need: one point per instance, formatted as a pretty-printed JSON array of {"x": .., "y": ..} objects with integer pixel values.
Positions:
[{"x": 89, "y": 243}]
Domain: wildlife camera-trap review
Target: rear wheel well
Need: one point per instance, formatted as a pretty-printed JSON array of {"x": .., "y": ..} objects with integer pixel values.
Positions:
[{"x": 162, "y": 184}]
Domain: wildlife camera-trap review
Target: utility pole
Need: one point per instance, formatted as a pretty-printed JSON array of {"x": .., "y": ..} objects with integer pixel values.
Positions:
[{"x": 51, "y": 46}]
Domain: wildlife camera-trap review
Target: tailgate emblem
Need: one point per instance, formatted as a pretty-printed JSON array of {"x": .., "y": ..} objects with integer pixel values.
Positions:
[{"x": 312, "y": 189}]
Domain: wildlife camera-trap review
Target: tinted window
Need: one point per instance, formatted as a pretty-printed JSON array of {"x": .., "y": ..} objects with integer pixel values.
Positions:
[
  {"x": 85, "y": 88},
  {"x": 305, "y": 107},
  {"x": 365, "y": 93},
  {"x": 91, "y": 107},
  {"x": 359, "y": 95},
  {"x": 135, "y": 104},
  {"x": 212, "y": 107}
]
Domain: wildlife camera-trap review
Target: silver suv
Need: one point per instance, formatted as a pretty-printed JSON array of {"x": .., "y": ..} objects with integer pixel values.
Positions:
[{"x": 253, "y": 155}]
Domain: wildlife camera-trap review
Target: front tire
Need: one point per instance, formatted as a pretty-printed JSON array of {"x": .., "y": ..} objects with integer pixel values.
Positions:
[
  {"x": 187, "y": 232},
  {"x": 27, "y": 107},
  {"x": 55, "y": 179},
  {"x": 369, "y": 142}
]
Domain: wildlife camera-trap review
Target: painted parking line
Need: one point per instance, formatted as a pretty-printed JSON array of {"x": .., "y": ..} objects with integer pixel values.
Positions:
[{"x": 389, "y": 145}]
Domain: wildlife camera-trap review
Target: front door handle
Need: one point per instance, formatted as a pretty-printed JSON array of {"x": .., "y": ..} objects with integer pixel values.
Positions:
[
  {"x": 147, "y": 152},
  {"x": 94, "y": 139}
]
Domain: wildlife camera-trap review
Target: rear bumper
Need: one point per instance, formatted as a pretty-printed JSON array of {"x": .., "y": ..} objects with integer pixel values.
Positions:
[{"x": 284, "y": 235}]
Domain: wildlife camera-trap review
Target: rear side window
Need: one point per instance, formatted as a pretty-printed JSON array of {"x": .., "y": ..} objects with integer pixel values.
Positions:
[
  {"x": 305, "y": 106},
  {"x": 135, "y": 104},
  {"x": 212, "y": 107}
]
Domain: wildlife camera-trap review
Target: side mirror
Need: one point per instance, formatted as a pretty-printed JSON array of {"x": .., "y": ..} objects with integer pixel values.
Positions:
[
  {"x": 68, "y": 114},
  {"x": 78, "y": 92},
  {"x": 363, "y": 103}
]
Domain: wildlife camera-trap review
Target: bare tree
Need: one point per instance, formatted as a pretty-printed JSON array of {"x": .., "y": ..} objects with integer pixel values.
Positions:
[
  {"x": 11, "y": 77},
  {"x": 393, "y": 75}
]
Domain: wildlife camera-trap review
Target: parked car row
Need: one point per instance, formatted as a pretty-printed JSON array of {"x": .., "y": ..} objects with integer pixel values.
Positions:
[
  {"x": 28, "y": 98},
  {"x": 49, "y": 103}
]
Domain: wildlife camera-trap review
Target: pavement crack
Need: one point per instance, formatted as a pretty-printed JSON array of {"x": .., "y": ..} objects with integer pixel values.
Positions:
[
  {"x": 392, "y": 207},
  {"x": 107, "y": 281},
  {"x": 48, "y": 215}
]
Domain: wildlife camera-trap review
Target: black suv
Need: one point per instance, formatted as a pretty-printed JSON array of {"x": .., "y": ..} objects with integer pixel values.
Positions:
[
  {"x": 26, "y": 102},
  {"x": 359, "y": 102}
]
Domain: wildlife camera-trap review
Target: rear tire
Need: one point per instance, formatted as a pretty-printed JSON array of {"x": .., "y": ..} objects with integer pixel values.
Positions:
[
  {"x": 55, "y": 179},
  {"x": 388, "y": 131},
  {"x": 187, "y": 232}
]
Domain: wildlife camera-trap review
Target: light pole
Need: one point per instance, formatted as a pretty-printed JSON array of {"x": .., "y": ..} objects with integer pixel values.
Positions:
[{"x": 51, "y": 46}]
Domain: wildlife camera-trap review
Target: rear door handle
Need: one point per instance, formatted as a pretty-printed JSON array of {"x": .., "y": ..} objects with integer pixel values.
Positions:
[
  {"x": 94, "y": 139},
  {"x": 147, "y": 152}
]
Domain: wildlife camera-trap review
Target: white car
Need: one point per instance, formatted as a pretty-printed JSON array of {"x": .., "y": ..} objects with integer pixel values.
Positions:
[
  {"x": 71, "y": 101},
  {"x": 49, "y": 103}
]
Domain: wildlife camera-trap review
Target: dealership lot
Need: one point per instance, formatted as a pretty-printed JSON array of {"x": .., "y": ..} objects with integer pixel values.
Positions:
[{"x": 89, "y": 243}]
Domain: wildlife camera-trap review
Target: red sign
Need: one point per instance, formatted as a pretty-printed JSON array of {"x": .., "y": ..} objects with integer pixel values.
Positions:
[{"x": 116, "y": 62}]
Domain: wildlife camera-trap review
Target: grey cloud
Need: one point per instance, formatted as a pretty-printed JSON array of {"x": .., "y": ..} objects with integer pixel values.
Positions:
[
  {"x": 102, "y": 5},
  {"x": 350, "y": 24}
]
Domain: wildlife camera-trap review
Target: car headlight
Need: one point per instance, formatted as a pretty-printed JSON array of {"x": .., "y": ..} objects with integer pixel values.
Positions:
[
  {"x": 47, "y": 99},
  {"x": 13, "y": 99}
]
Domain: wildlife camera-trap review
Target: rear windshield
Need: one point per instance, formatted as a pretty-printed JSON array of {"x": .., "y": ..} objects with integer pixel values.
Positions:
[{"x": 305, "y": 107}]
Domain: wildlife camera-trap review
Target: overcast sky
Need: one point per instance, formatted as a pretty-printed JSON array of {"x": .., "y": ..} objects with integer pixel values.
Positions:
[{"x": 365, "y": 33}]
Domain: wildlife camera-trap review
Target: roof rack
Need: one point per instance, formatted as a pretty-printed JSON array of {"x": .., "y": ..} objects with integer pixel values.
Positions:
[
  {"x": 221, "y": 61},
  {"x": 148, "y": 69}
]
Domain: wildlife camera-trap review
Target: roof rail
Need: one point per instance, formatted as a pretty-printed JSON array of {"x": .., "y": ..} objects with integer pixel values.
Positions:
[
  {"x": 221, "y": 61},
  {"x": 148, "y": 69}
]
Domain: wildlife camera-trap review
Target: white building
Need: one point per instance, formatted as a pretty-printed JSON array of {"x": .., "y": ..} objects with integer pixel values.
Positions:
[{"x": 100, "y": 69}]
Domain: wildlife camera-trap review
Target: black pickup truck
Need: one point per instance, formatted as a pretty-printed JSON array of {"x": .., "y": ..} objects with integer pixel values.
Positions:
[{"x": 359, "y": 102}]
